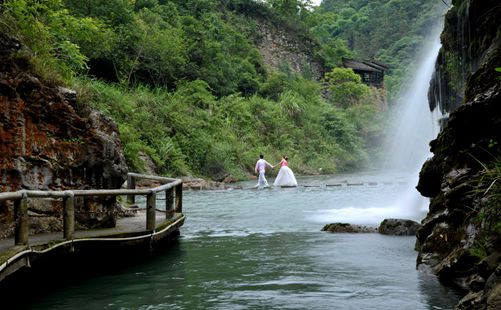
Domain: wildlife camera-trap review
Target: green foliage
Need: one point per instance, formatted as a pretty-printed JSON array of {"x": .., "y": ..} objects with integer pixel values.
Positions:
[
  {"x": 291, "y": 104},
  {"x": 333, "y": 51},
  {"x": 151, "y": 50},
  {"x": 286, "y": 8},
  {"x": 490, "y": 182},
  {"x": 41, "y": 27},
  {"x": 190, "y": 131},
  {"x": 486, "y": 211},
  {"x": 192, "y": 92},
  {"x": 345, "y": 86},
  {"x": 391, "y": 31},
  {"x": 498, "y": 70},
  {"x": 479, "y": 249},
  {"x": 112, "y": 12},
  {"x": 369, "y": 122},
  {"x": 94, "y": 38},
  {"x": 274, "y": 85}
]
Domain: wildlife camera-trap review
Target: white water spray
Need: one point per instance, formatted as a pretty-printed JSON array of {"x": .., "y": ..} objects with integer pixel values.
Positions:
[
  {"x": 413, "y": 124},
  {"x": 414, "y": 127}
]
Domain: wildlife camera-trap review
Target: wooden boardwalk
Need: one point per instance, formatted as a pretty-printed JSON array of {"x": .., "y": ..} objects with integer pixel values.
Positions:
[
  {"x": 133, "y": 224},
  {"x": 149, "y": 229}
]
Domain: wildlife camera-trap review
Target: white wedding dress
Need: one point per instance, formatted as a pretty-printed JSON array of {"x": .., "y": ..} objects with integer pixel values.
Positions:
[{"x": 285, "y": 177}]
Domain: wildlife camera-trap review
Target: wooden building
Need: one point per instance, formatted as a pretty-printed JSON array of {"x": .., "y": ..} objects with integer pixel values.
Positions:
[{"x": 371, "y": 72}]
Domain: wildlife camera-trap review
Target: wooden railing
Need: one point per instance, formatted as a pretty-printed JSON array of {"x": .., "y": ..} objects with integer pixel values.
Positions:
[{"x": 173, "y": 189}]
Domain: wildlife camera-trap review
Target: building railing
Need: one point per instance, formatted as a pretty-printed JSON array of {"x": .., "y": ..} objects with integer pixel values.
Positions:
[{"x": 173, "y": 189}]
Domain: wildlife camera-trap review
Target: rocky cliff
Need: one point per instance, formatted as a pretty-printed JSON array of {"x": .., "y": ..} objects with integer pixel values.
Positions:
[
  {"x": 282, "y": 51},
  {"x": 460, "y": 239},
  {"x": 46, "y": 142}
]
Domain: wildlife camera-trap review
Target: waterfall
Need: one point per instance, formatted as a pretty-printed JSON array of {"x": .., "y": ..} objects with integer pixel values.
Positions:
[{"x": 413, "y": 127}]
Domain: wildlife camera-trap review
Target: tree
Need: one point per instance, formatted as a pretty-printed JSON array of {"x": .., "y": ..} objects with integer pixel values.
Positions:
[
  {"x": 113, "y": 12},
  {"x": 345, "y": 86},
  {"x": 285, "y": 7}
]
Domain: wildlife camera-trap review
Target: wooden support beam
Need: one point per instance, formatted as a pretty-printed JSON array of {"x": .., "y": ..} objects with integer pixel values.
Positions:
[
  {"x": 151, "y": 200},
  {"x": 179, "y": 198},
  {"x": 69, "y": 216},
  {"x": 21, "y": 230},
  {"x": 131, "y": 184},
  {"x": 169, "y": 203}
]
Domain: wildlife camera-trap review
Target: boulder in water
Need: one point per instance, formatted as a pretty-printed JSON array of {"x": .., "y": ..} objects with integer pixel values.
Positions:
[
  {"x": 398, "y": 227},
  {"x": 348, "y": 228}
]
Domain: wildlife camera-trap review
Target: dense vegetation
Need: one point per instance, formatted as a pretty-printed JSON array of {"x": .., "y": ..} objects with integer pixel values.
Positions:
[
  {"x": 393, "y": 32},
  {"x": 188, "y": 87}
]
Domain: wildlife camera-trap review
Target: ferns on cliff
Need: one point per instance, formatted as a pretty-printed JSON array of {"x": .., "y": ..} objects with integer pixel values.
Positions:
[
  {"x": 490, "y": 201},
  {"x": 487, "y": 210}
]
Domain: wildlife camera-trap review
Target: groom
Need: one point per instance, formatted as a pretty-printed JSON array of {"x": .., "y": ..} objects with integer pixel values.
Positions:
[{"x": 261, "y": 169}]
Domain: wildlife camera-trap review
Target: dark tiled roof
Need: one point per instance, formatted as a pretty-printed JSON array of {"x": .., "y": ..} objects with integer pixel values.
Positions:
[
  {"x": 365, "y": 65},
  {"x": 379, "y": 64}
]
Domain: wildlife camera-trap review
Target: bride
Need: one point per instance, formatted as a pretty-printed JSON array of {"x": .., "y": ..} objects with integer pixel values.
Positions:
[{"x": 285, "y": 176}]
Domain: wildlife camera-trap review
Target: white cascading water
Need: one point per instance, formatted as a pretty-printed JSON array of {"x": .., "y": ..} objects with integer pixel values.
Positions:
[
  {"x": 413, "y": 127},
  {"x": 413, "y": 124}
]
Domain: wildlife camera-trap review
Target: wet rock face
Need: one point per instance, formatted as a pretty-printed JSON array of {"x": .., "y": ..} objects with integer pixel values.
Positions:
[
  {"x": 470, "y": 29},
  {"x": 46, "y": 144},
  {"x": 460, "y": 238}
]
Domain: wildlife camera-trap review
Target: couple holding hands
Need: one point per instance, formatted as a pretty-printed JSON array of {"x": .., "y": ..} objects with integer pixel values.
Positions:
[{"x": 285, "y": 175}]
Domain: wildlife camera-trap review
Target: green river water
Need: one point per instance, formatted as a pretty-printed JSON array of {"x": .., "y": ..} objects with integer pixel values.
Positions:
[{"x": 264, "y": 249}]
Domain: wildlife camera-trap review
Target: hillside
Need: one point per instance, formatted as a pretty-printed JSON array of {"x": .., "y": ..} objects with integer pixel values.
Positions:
[
  {"x": 393, "y": 32},
  {"x": 217, "y": 82}
]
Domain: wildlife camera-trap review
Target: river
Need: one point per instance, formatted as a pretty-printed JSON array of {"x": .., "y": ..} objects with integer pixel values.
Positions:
[{"x": 264, "y": 249}]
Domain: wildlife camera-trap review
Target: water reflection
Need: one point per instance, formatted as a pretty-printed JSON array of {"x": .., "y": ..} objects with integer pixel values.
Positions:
[{"x": 436, "y": 295}]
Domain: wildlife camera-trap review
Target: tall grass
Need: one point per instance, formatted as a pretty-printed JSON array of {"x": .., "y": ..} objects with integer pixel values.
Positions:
[{"x": 188, "y": 131}]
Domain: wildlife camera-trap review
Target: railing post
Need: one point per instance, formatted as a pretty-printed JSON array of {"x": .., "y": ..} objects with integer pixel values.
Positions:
[
  {"x": 69, "y": 216},
  {"x": 21, "y": 221},
  {"x": 131, "y": 184},
  {"x": 179, "y": 198},
  {"x": 169, "y": 203},
  {"x": 151, "y": 211}
]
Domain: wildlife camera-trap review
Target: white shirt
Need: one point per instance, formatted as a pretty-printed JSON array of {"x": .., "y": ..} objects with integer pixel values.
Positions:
[{"x": 261, "y": 165}]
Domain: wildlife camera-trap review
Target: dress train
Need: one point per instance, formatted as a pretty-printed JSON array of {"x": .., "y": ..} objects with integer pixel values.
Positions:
[{"x": 285, "y": 177}]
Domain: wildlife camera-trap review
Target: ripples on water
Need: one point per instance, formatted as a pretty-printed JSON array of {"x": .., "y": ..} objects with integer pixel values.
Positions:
[{"x": 263, "y": 249}]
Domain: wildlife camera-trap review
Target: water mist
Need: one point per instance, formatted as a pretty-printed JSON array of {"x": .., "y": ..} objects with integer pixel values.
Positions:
[{"x": 413, "y": 127}]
